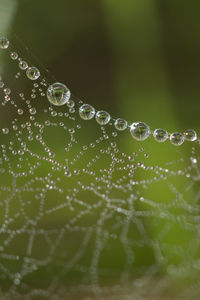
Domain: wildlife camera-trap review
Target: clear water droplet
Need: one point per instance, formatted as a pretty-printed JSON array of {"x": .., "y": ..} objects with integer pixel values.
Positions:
[
  {"x": 58, "y": 94},
  {"x": 140, "y": 131},
  {"x": 4, "y": 43},
  {"x": 86, "y": 112},
  {"x": 20, "y": 111},
  {"x": 190, "y": 135},
  {"x": 160, "y": 135},
  {"x": 68, "y": 174},
  {"x": 70, "y": 103},
  {"x": 32, "y": 73},
  {"x": 23, "y": 65},
  {"x": 120, "y": 124},
  {"x": 7, "y": 91},
  {"x": 17, "y": 279},
  {"x": 32, "y": 111},
  {"x": 102, "y": 117},
  {"x": 14, "y": 55},
  {"x": 176, "y": 139},
  {"x": 5, "y": 130},
  {"x": 193, "y": 160}
]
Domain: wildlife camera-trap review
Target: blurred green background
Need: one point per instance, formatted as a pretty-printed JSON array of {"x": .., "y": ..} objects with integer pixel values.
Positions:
[{"x": 137, "y": 59}]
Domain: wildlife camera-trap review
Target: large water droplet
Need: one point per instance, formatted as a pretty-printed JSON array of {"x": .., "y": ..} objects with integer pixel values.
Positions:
[
  {"x": 32, "y": 73},
  {"x": 190, "y": 135},
  {"x": 86, "y": 112},
  {"x": 4, "y": 43},
  {"x": 102, "y": 117},
  {"x": 176, "y": 139},
  {"x": 140, "y": 131},
  {"x": 160, "y": 135},
  {"x": 120, "y": 124},
  {"x": 58, "y": 94}
]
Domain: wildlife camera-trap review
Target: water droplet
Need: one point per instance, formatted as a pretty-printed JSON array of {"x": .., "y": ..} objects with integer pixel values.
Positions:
[
  {"x": 140, "y": 131},
  {"x": 176, "y": 139},
  {"x": 32, "y": 111},
  {"x": 23, "y": 65},
  {"x": 102, "y": 117},
  {"x": 58, "y": 94},
  {"x": 190, "y": 135},
  {"x": 17, "y": 279},
  {"x": 14, "y": 55},
  {"x": 70, "y": 103},
  {"x": 72, "y": 110},
  {"x": 120, "y": 124},
  {"x": 86, "y": 112},
  {"x": 5, "y": 130},
  {"x": 160, "y": 135},
  {"x": 32, "y": 73},
  {"x": 68, "y": 174},
  {"x": 20, "y": 111},
  {"x": 54, "y": 113},
  {"x": 7, "y": 91},
  {"x": 193, "y": 160},
  {"x": 4, "y": 43},
  {"x": 33, "y": 96}
]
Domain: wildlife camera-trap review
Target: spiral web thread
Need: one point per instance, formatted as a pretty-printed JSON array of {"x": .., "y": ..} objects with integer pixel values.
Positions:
[{"x": 86, "y": 210}]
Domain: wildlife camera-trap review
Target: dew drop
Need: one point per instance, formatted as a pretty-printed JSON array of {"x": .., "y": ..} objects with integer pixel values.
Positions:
[
  {"x": 32, "y": 111},
  {"x": 72, "y": 110},
  {"x": 32, "y": 73},
  {"x": 193, "y": 160},
  {"x": 70, "y": 103},
  {"x": 33, "y": 96},
  {"x": 5, "y": 130},
  {"x": 190, "y": 135},
  {"x": 4, "y": 43},
  {"x": 68, "y": 174},
  {"x": 140, "y": 131},
  {"x": 58, "y": 94},
  {"x": 17, "y": 279},
  {"x": 54, "y": 113},
  {"x": 102, "y": 117},
  {"x": 14, "y": 55},
  {"x": 7, "y": 91},
  {"x": 160, "y": 135},
  {"x": 20, "y": 111},
  {"x": 120, "y": 124},
  {"x": 86, "y": 112},
  {"x": 23, "y": 65},
  {"x": 176, "y": 139}
]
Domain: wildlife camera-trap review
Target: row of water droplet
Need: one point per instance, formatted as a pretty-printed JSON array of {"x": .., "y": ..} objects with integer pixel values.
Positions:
[
  {"x": 58, "y": 94},
  {"x": 32, "y": 72}
]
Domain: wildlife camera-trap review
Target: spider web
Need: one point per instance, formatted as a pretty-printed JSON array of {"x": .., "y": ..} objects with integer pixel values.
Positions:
[{"x": 86, "y": 211}]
